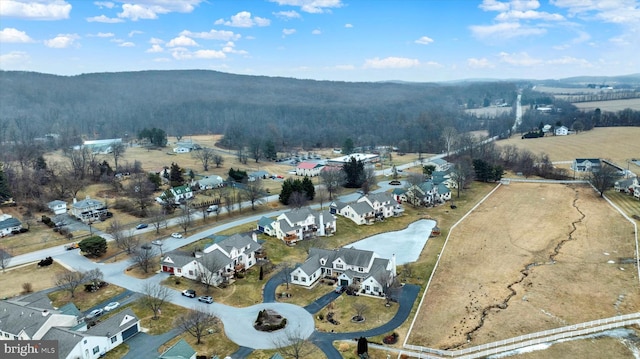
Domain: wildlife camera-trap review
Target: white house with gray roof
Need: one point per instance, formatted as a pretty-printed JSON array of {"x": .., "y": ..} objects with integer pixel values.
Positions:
[
  {"x": 9, "y": 224},
  {"x": 369, "y": 208},
  {"x": 88, "y": 209},
  {"x": 303, "y": 223},
  {"x": 225, "y": 256},
  {"x": 365, "y": 269},
  {"x": 58, "y": 206}
]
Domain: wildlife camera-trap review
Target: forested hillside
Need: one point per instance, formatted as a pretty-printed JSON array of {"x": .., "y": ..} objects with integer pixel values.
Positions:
[{"x": 287, "y": 112}]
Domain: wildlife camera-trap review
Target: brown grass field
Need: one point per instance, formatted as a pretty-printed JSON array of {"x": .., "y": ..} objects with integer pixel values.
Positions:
[
  {"x": 618, "y": 144},
  {"x": 510, "y": 240},
  {"x": 610, "y": 106}
]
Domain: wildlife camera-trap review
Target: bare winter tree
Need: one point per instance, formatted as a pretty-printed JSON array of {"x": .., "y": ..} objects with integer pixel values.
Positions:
[
  {"x": 360, "y": 309},
  {"x": 123, "y": 237},
  {"x": 322, "y": 195},
  {"x": 117, "y": 151},
  {"x": 415, "y": 179},
  {"x": 154, "y": 297},
  {"x": 462, "y": 173},
  {"x": 184, "y": 220},
  {"x": 298, "y": 199},
  {"x": 332, "y": 179},
  {"x": 94, "y": 276},
  {"x": 218, "y": 160},
  {"x": 254, "y": 192},
  {"x": 604, "y": 178},
  {"x": 140, "y": 191},
  {"x": 450, "y": 137},
  {"x": 144, "y": 257},
  {"x": 70, "y": 281},
  {"x": 204, "y": 156},
  {"x": 198, "y": 322},
  {"x": 391, "y": 288},
  {"x": 5, "y": 257},
  {"x": 212, "y": 270},
  {"x": 294, "y": 344},
  {"x": 158, "y": 219},
  {"x": 369, "y": 180},
  {"x": 287, "y": 268}
]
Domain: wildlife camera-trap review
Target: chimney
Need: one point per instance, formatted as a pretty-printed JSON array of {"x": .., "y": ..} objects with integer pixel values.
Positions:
[
  {"x": 254, "y": 236},
  {"x": 321, "y": 224},
  {"x": 393, "y": 265},
  {"x": 75, "y": 200}
]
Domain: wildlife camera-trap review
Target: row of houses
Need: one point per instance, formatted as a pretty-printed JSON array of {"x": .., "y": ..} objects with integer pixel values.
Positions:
[
  {"x": 33, "y": 318},
  {"x": 630, "y": 186},
  {"x": 299, "y": 224},
  {"x": 368, "y": 208}
]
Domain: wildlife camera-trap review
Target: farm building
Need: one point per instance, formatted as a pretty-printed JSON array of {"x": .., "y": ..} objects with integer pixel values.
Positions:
[
  {"x": 100, "y": 146},
  {"x": 310, "y": 169},
  {"x": 364, "y": 157}
]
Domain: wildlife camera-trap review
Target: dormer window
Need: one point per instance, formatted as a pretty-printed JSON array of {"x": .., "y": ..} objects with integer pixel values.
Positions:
[{"x": 323, "y": 261}]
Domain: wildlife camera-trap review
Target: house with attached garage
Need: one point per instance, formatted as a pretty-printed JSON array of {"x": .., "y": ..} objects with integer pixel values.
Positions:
[
  {"x": 364, "y": 269},
  {"x": 218, "y": 261},
  {"x": 208, "y": 182},
  {"x": 428, "y": 193},
  {"x": 586, "y": 165},
  {"x": 177, "y": 195},
  {"x": 303, "y": 223},
  {"x": 439, "y": 163},
  {"x": 57, "y": 206},
  {"x": 25, "y": 319},
  {"x": 89, "y": 210},
  {"x": 265, "y": 225},
  {"x": 9, "y": 225},
  {"x": 369, "y": 208},
  {"x": 628, "y": 185}
]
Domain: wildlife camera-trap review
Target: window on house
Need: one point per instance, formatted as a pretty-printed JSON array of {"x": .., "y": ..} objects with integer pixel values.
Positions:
[
  {"x": 114, "y": 339},
  {"x": 96, "y": 349},
  {"x": 6, "y": 335},
  {"x": 190, "y": 272},
  {"x": 366, "y": 287},
  {"x": 339, "y": 266},
  {"x": 304, "y": 279},
  {"x": 85, "y": 341},
  {"x": 376, "y": 289},
  {"x": 295, "y": 277},
  {"x": 179, "y": 270},
  {"x": 360, "y": 269}
]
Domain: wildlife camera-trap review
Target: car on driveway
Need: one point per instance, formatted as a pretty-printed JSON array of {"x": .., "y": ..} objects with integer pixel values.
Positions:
[
  {"x": 189, "y": 293},
  {"x": 157, "y": 242},
  {"x": 142, "y": 226},
  {"x": 111, "y": 306},
  {"x": 71, "y": 246},
  {"x": 176, "y": 235},
  {"x": 95, "y": 313},
  {"x": 395, "y": 183},
  {"x": 205, "y": 299}
]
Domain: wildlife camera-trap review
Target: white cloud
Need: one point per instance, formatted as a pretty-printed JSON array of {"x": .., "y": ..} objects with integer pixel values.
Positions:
[
  {"x": 14, "y": 60},
  {"x": 244, "y": 19},
  {"x": 493, "y": 5},
  {"x": 390, "y": 63},
  {"x": 104, "y": 4},
  {"x": 311, "y": 6},
  {"x": 613, "y": 11},
  {"x": 481, "y": 63},
  {"x": 155, "y": 48},
  {"x": 150, "y": 9},
  {"x": 135, "y": 32},
  {"x": 62, "y": 41},
  {"x": 287, "y": 32},
  {"x": 568, "y": 60},
  {"x": 344, "y": 67},
  {"x": 348, "y": 26},
  {"x": 287, "y": 15},
  {"x": 182, "y": 41},
  {"x": 155, "y": 40},
  {"x": 505, "y": 30},
  {"x": 127, "y": 44},
  {"x": 104, "y": 19},
  {"x": 212, "y": 35},
  {"x": 425, "y": 40},
  {"x": 9, "y": 34},
  {"x": 519, "y": 59},
  {"x": 36, "y": 9},
  {"x": 104, "y": 34},
  {"x": 316, "y": 32},
  {"x": 528, "y": 15},
  {"x": 184, "y": 54},
  {"x": 229, "y": 47}
]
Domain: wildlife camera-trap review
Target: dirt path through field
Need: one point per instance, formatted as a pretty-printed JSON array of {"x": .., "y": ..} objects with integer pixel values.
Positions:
[{"x": 532, "y": 257}]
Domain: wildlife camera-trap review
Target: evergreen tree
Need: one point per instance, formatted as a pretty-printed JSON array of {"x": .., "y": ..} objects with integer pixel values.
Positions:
[
  {"x": 347, "y": 147},
  {"x": 270, "y": 150},
  {"x": 308, "y": 188},
  {"x": 287, "y": 190},
  {"x": 5, "y": 193},
  {"x": 354, "y": 173},
  {"x": 175, "y": 175},
  {"x": 95, "y": 246}
]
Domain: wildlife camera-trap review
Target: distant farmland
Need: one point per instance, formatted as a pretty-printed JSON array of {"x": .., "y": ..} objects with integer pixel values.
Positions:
[{"x": 611, "y": 106}]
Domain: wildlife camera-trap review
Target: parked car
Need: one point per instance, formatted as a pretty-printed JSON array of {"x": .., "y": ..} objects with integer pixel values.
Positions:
[
  {"x": 340, "y": 289},
  {"x": 157, "y": 242},
  {"x": 111, "y": 306},
  {"x": 142, "y": 226},
  {"x": 176, "y": 235},
  {"x": 95, "y": 313},
  {"x": 71, "y": 246},
  {"x": 189, "y": 293},
  {"x": 394, "y": 183},
  {"x": 212, "y": 208},
  {"x": 205, "y": 299}
]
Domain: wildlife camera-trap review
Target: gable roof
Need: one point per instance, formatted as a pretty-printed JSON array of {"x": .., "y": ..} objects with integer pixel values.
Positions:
[
  {"x": 266, "y": 222},
  {"x": 87, "y": 203},
  {"x": 361, "y": 207},
  {"x": 181, "y": 189},
  {"x": 297, "y": 215},
  {"x": 177, "y": 258},
  {"x": 114, "y": 324},
  {"x": 309, "y": 165},
  {"x": 180, "y": 350},
  {"x": 67, "y": 339},
  {"x": 15, "y": 317},
  {"x": 10, "y": 222},
  {"x": 381, "y": 197},
  {"x": 55, "y": 203}
]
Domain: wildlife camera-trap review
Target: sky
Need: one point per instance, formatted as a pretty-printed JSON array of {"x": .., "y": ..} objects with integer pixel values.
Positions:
[{"x": 337, "y": 40}]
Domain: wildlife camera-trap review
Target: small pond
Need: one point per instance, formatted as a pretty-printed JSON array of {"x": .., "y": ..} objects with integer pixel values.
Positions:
[{"x": 405, "y": 244}]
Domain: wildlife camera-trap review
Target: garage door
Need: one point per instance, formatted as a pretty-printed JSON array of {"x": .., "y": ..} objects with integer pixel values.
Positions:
[{"x": 130, "y": 332}]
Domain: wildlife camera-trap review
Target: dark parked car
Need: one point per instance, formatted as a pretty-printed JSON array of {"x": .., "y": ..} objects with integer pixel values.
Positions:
[{"x": 142, "y": 226}]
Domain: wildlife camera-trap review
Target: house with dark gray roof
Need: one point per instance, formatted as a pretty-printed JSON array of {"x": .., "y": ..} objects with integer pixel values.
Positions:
[
  {"x": 364, "y": 269},
  {"x": 9, "y": 224},
  {"x": 369, "y": 208},
  {"x": 428, "y": 193},
  {"x": 586, "y": 165},
  {"x": 265, "y": 225},
  {"x": 303, "y": 223},
  {"x": 218, "y": 261},
  {"x": 58, "y": 206},
  {"x": 21, "y": 322},
  {"x": 88, "y": 209}
]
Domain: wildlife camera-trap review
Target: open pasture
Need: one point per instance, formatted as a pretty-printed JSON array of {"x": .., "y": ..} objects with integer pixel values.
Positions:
[
  {"x": 532, "y": 257},
  {"x": 609, "y": 106},
  {"x": 618, "y": 144}
]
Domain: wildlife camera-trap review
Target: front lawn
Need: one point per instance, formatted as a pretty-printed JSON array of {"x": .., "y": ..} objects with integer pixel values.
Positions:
[{"x": 85, "y": 300}]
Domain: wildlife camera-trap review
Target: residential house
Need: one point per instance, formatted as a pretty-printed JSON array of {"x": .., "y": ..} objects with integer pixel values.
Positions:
[
  {"x": 257, "y": 175},
  {"x": 58, "y": 206},
  {"x": 9, "y": 224},
  {"x": 23, "y": 322},
  {"x": 445, "y": 177},
  {"x": 209, "y": 182},
  {"x": 310, "y": 169},
  {"x": 399, "y": 194},
  {"x": 365, "y": 269},
  {"x": 626, "y": 185},
  {"x": 439, "y": 163},
  {"x": 186, "y": 147},
  {"x": 221, "y": 259},
  {"x": 561, "y": 131},
  {"x": 265, "y": 225},
  {"x": 89, "y": 210},
  {"x": 303, "y": 223},
  {"x": 369, "y": 208},
  {"x": 180, "y": 350},
  {"x": 586, "y": 164},
  {"x": 177, "y": 194},
  {"x": 428, "y": 193},
  {"x": 101, "y": 146}
]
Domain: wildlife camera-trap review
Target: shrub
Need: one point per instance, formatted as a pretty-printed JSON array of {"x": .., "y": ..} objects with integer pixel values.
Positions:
[
  {"x": 321, "y": 316},
  {"x": 344, "y": 347},
  {"x": 27, "y": 288}
]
